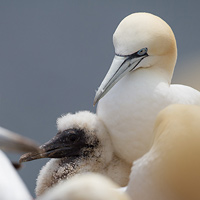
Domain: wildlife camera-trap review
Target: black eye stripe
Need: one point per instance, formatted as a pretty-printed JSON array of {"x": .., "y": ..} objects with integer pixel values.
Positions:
[{"x": 141, "y": 52}]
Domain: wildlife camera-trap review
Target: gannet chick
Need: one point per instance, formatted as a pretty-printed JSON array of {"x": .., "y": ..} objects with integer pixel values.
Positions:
[
  {"x": 10, "y": 141},
  {"x": 171, "y": 169},
  {"x": 81, "y": 145},
  {"x": 137, "y": 85},
  {"x": 85, "y": 187}
]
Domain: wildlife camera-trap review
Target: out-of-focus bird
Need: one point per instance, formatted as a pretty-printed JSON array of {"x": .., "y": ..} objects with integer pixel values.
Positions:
[
  {"x": 85, "y": 187},
  {"x": 11, "y": 185},
  {"x": 171, "y": 169},
  {"x": 10, "y": 141}
]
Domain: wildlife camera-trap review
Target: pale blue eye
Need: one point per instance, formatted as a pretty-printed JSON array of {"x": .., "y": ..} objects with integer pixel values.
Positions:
[{"x": 141, "y": 52}]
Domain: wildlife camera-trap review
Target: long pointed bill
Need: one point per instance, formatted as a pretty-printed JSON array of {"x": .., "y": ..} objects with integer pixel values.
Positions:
[
  {"x": 10, "y": 141},
  {"x": 59, "y": 146},
  {"x": 120, "y": 66}
]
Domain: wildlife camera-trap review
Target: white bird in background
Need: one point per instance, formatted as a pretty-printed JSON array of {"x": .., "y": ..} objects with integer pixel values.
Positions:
[
  {"x": 10, "y": 141},
  {"x": 140, "y": 77},
  {"x": 11, "y": 185},
  {"x": 171, "y": 169},
  {"x": 81, "y": 145},
  {"x": 85, "y": 187}
]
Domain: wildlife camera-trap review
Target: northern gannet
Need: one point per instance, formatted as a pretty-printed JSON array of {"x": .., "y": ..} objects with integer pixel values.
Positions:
[
  {"x": 11, "y": 185},
  {"x": 85, "y": 187},
  {"x": 81, "y": 145},
  {"x": 137, "y": 85},
  {"x": 171, "y": 169}
]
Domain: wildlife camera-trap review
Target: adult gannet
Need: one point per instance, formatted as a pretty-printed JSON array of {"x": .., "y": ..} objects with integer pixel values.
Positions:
[
  {"x": 140, "y": 77},
  {"x": 81, "y": 145},
  {"x": 171, "y": 169},
  {"x": 11, "y": 185},
  {"x": 85, "y": 187}
]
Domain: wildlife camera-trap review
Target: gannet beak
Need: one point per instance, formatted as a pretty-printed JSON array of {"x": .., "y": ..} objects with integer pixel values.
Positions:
[
  {"x": 11, "y": 141},
  {"x": 60, "y": 146},
  {"x": 120, "y": 66}
]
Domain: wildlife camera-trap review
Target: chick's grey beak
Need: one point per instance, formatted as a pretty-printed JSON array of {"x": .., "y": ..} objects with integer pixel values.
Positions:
[
  {"x": 58, "y": 147},
  {"x": 10, "y": 141}
]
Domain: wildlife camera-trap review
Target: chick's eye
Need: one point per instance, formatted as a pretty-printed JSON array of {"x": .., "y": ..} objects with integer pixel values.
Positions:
[
  {"x": 142, "y": 52},
  {"x": 73, "y": 137}
]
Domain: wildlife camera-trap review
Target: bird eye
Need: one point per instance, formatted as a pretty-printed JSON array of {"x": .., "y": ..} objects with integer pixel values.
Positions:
[
  {"x": 142, "y": 52},
  {"x": 73, "y": 137}
]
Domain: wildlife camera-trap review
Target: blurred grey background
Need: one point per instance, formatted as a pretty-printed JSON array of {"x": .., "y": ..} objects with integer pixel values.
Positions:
[{"x": 54, "y": 54}]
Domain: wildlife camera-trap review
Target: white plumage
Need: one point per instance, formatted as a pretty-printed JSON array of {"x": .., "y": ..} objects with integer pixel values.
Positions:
[
  {"x": 11, "y": 185},
  {"x": 85, "y": 187},
  {"x": 137, "y": 85},
  {"x": 81, "y": 145},
  {"x": 171, "y": 169}
]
